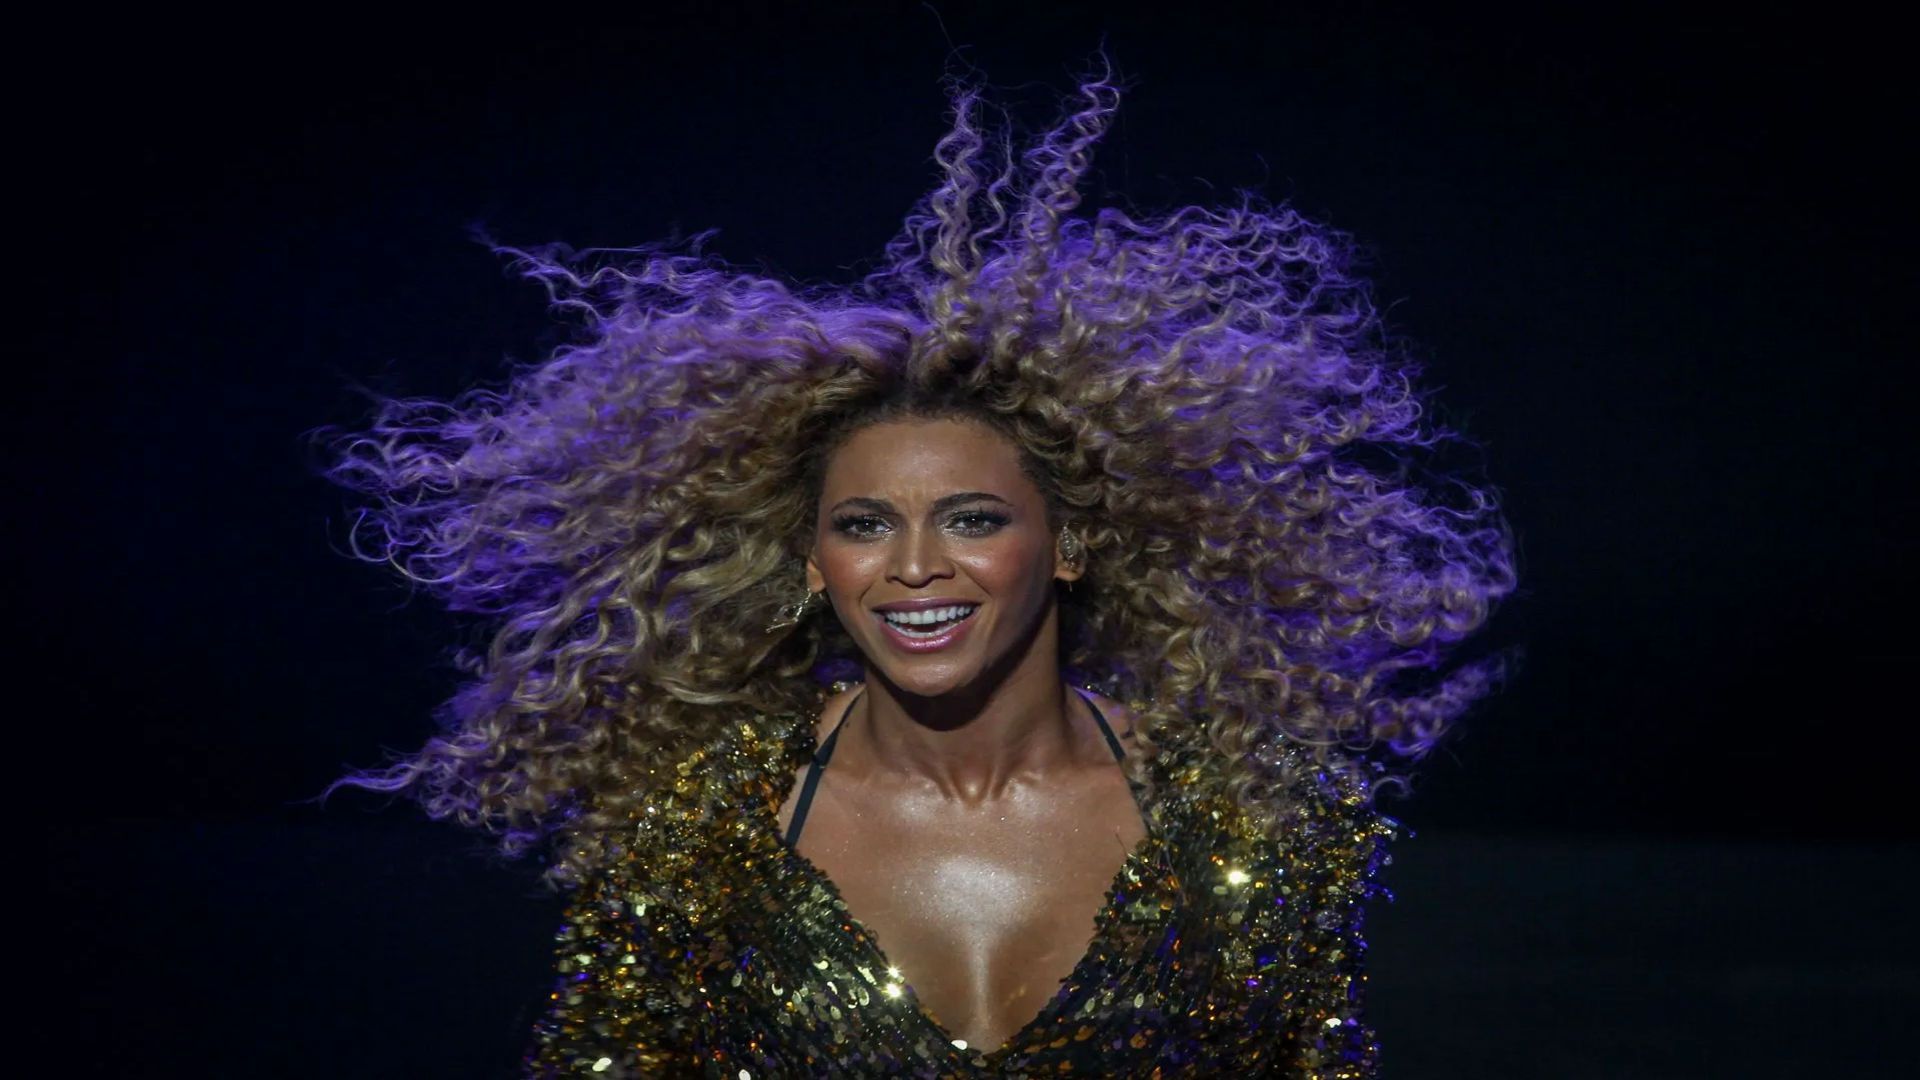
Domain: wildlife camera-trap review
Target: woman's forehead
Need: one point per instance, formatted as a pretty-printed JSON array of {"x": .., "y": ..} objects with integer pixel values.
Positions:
[{"x": 925, "y": 457}]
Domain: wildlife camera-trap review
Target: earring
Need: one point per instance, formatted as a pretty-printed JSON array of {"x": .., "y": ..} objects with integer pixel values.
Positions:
[
  {"x": 1070, "y": 547},
  {"x": 790, "y": 614}
]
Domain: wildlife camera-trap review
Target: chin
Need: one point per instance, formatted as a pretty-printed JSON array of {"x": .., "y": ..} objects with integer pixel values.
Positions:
[
  {"x": 926, "y": 681},
  {"x": 927, "y": 676}
]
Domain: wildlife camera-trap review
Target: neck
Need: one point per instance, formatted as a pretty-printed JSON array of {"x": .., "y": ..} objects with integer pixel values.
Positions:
[{"x": 973, "y": 743}]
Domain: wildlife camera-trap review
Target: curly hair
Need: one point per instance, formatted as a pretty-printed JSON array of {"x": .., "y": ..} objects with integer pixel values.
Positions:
[{"x": 1191, "y": 393}]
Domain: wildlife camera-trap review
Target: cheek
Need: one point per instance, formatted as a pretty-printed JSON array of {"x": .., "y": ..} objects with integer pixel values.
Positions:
[
  {"x": 846, "y": 567},
  {"x": 1009, "y": 568}
]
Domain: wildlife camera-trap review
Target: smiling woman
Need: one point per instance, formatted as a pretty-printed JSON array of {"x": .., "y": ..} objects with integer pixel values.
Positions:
[{"x": 1049, "y": 539}]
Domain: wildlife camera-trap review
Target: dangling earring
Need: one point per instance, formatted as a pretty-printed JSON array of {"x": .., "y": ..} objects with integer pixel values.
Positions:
[{"x": 791, "y": 614}]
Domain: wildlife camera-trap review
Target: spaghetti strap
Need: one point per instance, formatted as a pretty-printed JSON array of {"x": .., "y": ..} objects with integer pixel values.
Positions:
[
  {"x": 1138, "y": 790},
  {"x": 1113, "y": 743},
  {"x": 819, "y": 762}
]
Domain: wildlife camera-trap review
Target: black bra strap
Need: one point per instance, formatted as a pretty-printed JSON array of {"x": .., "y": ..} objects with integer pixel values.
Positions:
[
  {"x": 819, "y": 762},
  {"x": 1113, "y": 744},
  {"x": 1120, "y": 755}
]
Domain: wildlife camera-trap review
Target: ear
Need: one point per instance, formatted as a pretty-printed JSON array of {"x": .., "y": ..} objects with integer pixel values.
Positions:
[
  {"x": 1064, "y": 570},
  {"x": 816, "y": 580}
]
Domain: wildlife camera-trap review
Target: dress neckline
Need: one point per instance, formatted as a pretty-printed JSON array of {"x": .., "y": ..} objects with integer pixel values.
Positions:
[{"x": 1148, "y": 852}]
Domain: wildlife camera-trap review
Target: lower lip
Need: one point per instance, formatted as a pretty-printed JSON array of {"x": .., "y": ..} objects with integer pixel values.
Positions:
[{"x": 947, "y": 638}]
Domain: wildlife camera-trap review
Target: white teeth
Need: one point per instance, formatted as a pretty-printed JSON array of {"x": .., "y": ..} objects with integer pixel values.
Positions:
[{"x": 927, "y": 618}]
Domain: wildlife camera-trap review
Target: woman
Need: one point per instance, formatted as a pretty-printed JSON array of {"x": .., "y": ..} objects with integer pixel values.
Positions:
[{"x": 804, "y": 598}]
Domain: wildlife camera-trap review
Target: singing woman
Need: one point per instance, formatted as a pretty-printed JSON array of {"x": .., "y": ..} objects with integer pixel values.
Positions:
[{"x": 988, "y": 669}]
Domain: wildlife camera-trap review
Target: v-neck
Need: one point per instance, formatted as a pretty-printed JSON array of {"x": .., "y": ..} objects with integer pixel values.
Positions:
[{"x": 1147, "y": 852}]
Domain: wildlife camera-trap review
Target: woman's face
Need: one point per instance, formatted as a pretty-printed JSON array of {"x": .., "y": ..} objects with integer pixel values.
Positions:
[{"x": 919, "y": 511}]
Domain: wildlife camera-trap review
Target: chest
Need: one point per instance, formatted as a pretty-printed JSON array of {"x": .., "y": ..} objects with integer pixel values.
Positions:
[{"x": 982, "y": 910}]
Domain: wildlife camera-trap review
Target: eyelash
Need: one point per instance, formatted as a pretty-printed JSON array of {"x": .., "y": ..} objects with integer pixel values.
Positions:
[{"x": 993, "y": 522}]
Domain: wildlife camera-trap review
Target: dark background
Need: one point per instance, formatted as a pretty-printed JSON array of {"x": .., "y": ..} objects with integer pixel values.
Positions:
[{"x": 1655, "y": 267}]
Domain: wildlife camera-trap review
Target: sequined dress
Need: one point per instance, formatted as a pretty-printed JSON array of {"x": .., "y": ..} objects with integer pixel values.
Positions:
[{"x": 710, "y": 947}]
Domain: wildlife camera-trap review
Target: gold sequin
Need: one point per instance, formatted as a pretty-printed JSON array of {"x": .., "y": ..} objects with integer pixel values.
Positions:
[{"x": 709, "y": 948}]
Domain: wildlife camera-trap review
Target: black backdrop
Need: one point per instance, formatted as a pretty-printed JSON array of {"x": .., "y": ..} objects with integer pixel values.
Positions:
[{"x": 1655, "y": 266}]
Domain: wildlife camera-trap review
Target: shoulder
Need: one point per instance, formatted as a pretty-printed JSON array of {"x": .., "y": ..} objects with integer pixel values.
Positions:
[
  {"x": 711, "y": 774},
  {"x": 1331, "y": 813},
  {"x": 696, "y": 804},
  {"x": 1290, "y": 888},
  {"x": 1325, "y": 842}
]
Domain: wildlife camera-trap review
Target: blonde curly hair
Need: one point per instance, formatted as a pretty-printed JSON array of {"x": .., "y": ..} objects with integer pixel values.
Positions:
[{"x": 1192, "y": 393}]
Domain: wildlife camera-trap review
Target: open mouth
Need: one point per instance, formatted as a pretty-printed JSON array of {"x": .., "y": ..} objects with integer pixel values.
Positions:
[{"x": 927, "y": 625}]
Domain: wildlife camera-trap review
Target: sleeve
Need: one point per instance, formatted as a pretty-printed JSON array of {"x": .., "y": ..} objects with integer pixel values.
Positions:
[
  {"x": 1311, "y": 949},
  {"x": 616, "y": 1008}
]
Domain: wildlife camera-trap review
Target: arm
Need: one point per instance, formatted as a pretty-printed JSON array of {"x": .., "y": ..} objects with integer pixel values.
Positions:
[
  {"x": 614, "y": 1009},
  {"x": 1332, "y": 1039},
  {"x": 1311, "y": 951}
]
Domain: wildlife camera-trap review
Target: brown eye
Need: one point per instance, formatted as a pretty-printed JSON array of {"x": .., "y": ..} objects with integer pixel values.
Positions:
[
  {"x": 857, "y": 525},
  {"x": 979, "y": 522}
]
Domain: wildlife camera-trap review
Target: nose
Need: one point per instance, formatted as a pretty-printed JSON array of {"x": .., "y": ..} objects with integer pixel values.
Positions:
[{"x": 919, "y": 557}]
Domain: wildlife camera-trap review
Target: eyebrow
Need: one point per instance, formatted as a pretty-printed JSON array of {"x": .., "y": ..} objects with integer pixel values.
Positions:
[{"x": 882, "y": 506}]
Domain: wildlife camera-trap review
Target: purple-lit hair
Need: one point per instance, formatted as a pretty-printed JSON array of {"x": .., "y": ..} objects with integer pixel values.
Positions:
[{"x": 1194, "y": 393}]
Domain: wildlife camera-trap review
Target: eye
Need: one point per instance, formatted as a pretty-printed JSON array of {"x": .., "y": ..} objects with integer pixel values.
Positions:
[
  {"x": 978, "y": 522},
  {"x": 857, "y": 524}
]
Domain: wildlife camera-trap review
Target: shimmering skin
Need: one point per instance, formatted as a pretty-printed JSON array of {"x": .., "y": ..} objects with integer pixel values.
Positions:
[{"x": 708, "y": 947}]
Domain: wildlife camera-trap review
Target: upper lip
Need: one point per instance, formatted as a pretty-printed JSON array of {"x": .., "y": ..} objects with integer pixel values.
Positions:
[{"x": 926, "y": 605}]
